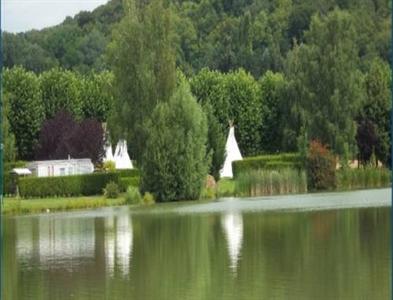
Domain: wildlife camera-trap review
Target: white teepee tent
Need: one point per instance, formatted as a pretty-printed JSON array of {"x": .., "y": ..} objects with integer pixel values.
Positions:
[
  {"x": 232, "y": 154},
  {"x": 108, "y": 153},
  {"x": 122, "y": 159}
]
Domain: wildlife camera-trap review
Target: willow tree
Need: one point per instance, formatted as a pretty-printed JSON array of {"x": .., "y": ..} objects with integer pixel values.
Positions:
[{"x": 143, "y": 60}]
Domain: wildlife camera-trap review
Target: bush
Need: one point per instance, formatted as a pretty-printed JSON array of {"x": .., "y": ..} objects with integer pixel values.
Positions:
[
  {"x": 348, "y": 179},
  {"x": 133, "y": 196},
  {"x": 321, "y": 167},
  {"x": 270, "y": 182},
  {"x": 109, "y": 166},
  {"x": 208, "y": 193},
  {"x": 77, "y": 185},
  {"x": 125, "y": 182},
  {"x": 148, "y": 199},
  {"x": 175, "y": 163},
  {"x": 111, "y": 190},
  {"x": 225, "y": 188},
  {"x": 270, "y": 162}
]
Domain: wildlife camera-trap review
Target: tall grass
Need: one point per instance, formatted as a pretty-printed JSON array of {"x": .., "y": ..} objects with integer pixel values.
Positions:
[
  {"x": 270, "y": 182},
  {"x": 363, "y": 178}
]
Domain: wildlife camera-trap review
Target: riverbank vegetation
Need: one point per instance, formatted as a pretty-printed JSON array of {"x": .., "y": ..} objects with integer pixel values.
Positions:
[
  {"x": 308, "y": 79},
  {"x": 17, "y": 206}
]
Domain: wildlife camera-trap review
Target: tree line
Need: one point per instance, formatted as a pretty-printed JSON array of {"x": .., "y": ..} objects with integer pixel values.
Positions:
[{"x": 30, "y": 101}]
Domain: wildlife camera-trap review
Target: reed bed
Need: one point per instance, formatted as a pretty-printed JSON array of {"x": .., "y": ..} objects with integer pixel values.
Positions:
[
  {"x": 271, "y": 182},
  {"x": 363, "y": 178}
]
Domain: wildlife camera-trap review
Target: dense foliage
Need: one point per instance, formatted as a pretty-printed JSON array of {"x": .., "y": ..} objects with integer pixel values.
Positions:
[
  {"x": 8, "y": 137},
  {"x": 373, "y": 134},
  {"x": 30, "y": 99},
  {"x": 62, "y": 136},
  {"x": 223, "y": 35},
  {"x": 175, "y": 163},
  {"x": 26, "y": 109},
  {"x": 142, "y": 58}
]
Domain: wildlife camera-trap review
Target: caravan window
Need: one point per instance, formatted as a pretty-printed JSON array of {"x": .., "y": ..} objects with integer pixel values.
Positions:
[{"x": 62, "y": 171}]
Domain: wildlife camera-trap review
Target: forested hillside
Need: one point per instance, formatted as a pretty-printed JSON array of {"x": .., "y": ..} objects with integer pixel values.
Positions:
[{"x": 219, "y": 34}]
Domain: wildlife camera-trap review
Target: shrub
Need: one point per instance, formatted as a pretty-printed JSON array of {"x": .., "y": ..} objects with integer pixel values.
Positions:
[
  {"x": 321, "y": 167},
  {"x": 148, "y": 199},
  {"x": 225, "y": 188},
  {"x": 271, "y": 182},
  {"x": 133, "y": 196},
  {"x": 175, "y": 163},
  {"x": 86, "y": 185},
  {"x": 111, "y": 190},
  {"x": 208, "y": 193},
  {"x": 125, "y": 182},
  {"x": 109, "y": 166},
  {"x": 270, "y": 162}
]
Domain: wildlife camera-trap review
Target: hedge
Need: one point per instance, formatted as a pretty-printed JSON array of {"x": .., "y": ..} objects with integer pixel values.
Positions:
[
  {"x": 269, "y": 162},
  {"x": 128, "y": 173},
  {"x": 77, "y": 185},
  {"x": 125, "y": 182}
]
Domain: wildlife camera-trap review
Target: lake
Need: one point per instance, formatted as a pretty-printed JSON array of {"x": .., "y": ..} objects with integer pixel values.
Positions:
[{"x": 314, "y": 246}]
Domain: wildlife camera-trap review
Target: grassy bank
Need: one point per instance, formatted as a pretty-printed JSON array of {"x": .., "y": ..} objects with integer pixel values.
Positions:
[{"x": 16, "y": 206}]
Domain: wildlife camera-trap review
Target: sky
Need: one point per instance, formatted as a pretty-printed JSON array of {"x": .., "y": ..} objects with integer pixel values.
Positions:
[{"x": 23, "y": 15}]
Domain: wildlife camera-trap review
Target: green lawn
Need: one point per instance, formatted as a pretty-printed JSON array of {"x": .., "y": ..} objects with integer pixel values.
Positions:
[{"x": 14, "y": 206}]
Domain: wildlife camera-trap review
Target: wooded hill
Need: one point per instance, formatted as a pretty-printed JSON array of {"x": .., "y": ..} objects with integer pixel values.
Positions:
[{"x": 219, "y": 34}]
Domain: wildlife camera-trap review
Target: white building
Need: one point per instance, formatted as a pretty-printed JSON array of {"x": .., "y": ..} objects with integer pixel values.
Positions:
[{"x": 63, "y": 167}]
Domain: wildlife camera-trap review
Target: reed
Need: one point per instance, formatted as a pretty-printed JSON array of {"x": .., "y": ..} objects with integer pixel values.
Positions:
[
  {"x": 363, "y": 178},
  {"x": 270, "y": 182}
]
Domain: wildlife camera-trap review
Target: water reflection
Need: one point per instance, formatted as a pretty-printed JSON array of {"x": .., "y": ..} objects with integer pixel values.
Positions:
[
  {"x": 48, "y": 239},
  {"x": 118, "y": 243},
  {"x": 232, "y": 223}
]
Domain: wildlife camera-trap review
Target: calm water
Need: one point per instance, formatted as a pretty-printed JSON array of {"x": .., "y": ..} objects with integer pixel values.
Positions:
[{"x": 231, "y": 249}]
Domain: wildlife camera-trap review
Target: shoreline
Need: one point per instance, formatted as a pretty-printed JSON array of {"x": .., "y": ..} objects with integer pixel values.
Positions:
[{"x": 291, "y": 202}]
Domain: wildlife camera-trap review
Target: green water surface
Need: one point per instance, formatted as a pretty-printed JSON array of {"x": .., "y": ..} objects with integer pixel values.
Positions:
[{"x": 231, "y": 249}]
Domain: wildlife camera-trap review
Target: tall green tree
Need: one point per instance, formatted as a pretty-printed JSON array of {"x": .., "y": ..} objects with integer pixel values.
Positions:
[
  {"x": 325, "y": 84},
  {"x": 143, "y": 59},
  {"x": 216, "y": 140},
  {"x": 175, "y": 161},
  {"x": 26, "y": 110},
  {"x": 243, "y": 94},
  {"x": 97, "y": 95},
  {"x": 61, "y": 91},
  {"x": 208, "y": 88},
  {"x": 377, "y": 107},
  {"x": 272, "y": 87},
  {"x": 7, "y": 135}
]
